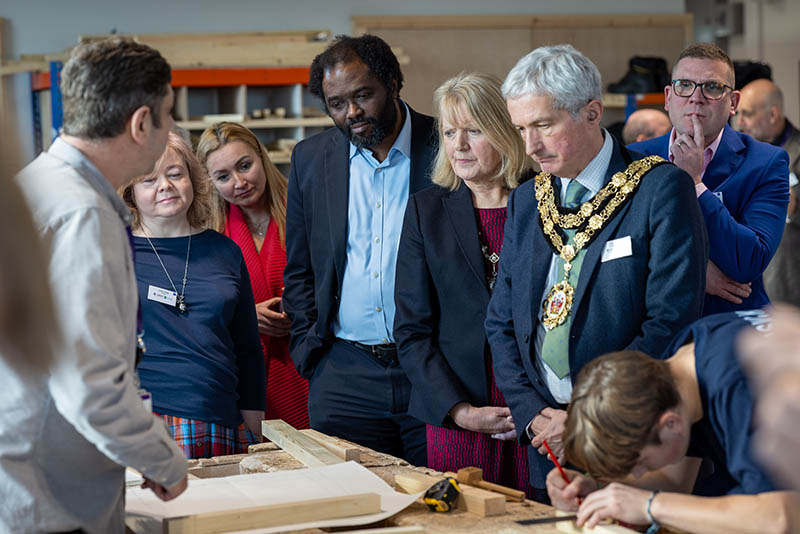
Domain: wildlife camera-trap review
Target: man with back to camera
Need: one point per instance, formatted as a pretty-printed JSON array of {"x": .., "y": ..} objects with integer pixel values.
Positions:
[
  {"x": 348, "y": 189},
  {"x": 617, "y": 261},
  {"x": 761, "y": 116},
  {"x": 741, "y": 184},
  {"x": 117, "y": 101},
  {"x": 676, "y": 435}
]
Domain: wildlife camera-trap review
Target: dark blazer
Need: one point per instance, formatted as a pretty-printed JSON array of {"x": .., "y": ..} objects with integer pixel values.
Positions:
[
  {"x": 744, "y": 230},
  {"x": 636, "y": 302},
  {"x": 441, "y": 298},
  {"x": 316, "y": 232}
]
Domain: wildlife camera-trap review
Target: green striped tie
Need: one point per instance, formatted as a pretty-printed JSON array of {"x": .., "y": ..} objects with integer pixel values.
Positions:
[{"x": 555, "y": 348}]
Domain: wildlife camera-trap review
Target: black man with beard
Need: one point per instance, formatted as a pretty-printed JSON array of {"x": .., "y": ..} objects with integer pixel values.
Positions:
[{"x": 348, "y": 189}]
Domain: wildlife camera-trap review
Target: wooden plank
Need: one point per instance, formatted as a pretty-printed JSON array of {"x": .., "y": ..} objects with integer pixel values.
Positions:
[
  {"x": 290, "y": 35},
  {"x": 386, "y": 530},
  {"x": 519, "y": 21},
  {"x": 603, "y": 528},
  {"x": 474, "y": 500},
  {"x": 341, "y": 449},
  {"x": 300, "y": 446},
  {"x": 275, "y": 515},
  {"x": 474, "y": 477}
]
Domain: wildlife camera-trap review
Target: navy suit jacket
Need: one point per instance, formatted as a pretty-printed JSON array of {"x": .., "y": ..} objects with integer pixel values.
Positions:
[
  {"x": 744, "y": 209},
  {"x": 316, "y": 232},
  {"x": 637, "y": 302},
  {"x": 441, "y": 298}
]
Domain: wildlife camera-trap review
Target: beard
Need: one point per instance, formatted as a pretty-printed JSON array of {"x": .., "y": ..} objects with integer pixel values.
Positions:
[{"x": 381, "y": 126}]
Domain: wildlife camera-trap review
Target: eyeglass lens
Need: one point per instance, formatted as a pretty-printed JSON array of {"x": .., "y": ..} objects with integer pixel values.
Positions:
[{"x": 710, "y": 90}]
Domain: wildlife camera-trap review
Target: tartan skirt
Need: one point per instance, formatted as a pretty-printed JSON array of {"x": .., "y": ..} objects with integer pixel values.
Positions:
[{"x": 199, "y": 439}]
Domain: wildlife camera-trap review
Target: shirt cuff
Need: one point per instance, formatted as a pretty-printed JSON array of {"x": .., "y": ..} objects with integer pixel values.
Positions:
[{"x": 700, "y": 188}]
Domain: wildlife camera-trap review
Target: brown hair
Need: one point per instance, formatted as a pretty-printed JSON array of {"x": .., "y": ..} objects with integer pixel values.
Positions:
[
  {"x": 614, "y": 411},
  {"x": 201, "y": 212},
  {"x": 707, "y": 51},
  {"x": 28, "y": 326},
  {"x": 221, "y": 134},
  {"x": 481, "y": 97}
]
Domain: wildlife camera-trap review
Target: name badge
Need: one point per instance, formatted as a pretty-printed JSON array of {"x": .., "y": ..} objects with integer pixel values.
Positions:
[
  {"x": 164, "y": 296},
  {"x": 718, "y": 194},
  {"x": 617, "y": 248}
]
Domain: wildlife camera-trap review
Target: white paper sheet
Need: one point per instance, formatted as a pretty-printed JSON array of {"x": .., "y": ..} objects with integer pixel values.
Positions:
[{"x": 145, "y": 512}]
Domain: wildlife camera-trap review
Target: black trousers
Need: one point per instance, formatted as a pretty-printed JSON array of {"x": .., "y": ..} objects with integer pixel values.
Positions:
[{"x": 355, "y": 396}]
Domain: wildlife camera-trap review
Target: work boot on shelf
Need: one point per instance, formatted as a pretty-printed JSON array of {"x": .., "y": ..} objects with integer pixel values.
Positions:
[{"x": 645, "y": 75}]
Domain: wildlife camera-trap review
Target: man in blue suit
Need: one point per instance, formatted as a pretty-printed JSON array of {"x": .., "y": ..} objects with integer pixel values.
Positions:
[
  {"x": 348, "y": 190},
  {"x": 742, "y": 185},
  {"x": 622, "y": 269}
]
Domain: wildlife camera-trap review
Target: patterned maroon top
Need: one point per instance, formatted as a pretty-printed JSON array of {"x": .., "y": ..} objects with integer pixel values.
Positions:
[{"x": 503, "y": 462}]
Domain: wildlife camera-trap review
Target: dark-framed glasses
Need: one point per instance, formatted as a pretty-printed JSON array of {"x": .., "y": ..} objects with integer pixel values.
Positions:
[{"x": 710, "y": 90}]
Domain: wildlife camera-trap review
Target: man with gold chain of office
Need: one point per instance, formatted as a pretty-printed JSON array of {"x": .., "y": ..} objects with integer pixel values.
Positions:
[{"x": 604, "y": 250}]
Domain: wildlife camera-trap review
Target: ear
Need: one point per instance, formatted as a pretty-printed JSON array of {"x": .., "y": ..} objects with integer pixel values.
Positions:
[
  {"x": 670, "y": 423},
  {"x": 667, "y": 91},
  {"x": 735, "y": 97},
  {"x": 140, "y": 124},
  {"x": 774, "y": 115},
  {"x": 594, "y": 111}
]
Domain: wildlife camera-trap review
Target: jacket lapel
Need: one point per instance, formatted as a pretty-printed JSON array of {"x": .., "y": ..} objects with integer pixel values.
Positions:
[
  {"x": 336, "y": 169},
  {"x": 726, "y": 160},
  {"x": 461, "y": 214},
  {"x": 541, "y": 256}
]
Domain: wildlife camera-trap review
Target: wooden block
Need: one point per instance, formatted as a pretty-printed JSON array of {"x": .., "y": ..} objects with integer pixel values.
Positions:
[
  {"x": 341, "y": 449},
  {"x": 413, "y": 482},
  {"x": 475, "y": 500},
  {"x": 261, "y": 447},
  {"x": 474, "y": 477},
  {"x": 470, "y": 475},
  {"x": 305, "y": 449},
  {"x": 275, "y": 515}
]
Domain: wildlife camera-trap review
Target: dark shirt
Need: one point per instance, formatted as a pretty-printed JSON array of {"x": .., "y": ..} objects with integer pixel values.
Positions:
[
  {"x": 207, "y": 363},
  {"x": 723, "y": 437}
]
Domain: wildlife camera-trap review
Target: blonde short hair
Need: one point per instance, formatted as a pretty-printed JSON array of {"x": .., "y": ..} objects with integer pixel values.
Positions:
[
  {"x": 480, "y": 96},
  {"x": 201, "y": 212},
  {"x": 221, "y": 134}
]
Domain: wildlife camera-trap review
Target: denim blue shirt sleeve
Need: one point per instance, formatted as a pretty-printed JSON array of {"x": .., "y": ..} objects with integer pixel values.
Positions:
[{"x": 376, "y": 205}]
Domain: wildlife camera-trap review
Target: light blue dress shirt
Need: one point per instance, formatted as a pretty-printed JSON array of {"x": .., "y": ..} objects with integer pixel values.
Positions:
[
  {"x": 591, "y": 178},
  {"x": 376, "y": 206}
]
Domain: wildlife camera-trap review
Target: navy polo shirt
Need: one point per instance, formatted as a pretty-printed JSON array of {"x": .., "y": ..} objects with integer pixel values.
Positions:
[{"x": 723, "y": 437}]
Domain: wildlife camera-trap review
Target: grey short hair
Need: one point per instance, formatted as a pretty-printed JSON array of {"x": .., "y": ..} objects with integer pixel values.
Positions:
[{"x": 560, "y": 72}]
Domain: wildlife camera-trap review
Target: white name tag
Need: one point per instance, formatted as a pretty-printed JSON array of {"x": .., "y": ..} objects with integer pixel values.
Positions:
[
  {"x": 718, "y": 194},
  {"x": 617, "y": 248},
  {"x": 164, "y": 296}
]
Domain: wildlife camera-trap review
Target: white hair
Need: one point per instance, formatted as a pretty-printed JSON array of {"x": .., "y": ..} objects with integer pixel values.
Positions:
[{"x": 560, "y": 72}]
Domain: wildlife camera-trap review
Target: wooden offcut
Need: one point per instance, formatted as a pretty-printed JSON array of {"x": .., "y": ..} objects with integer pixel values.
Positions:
[
  {"x": 338, "y": 447},
  {"x": 474, "y": 477},
  {"x": 275, "y": 515},
  {"x": 474, "y": 500},
  {"x": 308, "y": 451}
]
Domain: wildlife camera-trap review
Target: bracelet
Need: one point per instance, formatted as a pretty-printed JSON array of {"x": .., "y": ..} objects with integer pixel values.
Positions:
[{"x": 654, "y": 525}]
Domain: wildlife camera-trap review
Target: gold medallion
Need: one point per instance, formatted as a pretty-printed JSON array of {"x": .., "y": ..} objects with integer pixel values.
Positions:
[{"x": 557, "y": 305}]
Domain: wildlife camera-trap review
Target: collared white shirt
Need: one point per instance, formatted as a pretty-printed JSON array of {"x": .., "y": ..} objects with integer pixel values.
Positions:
[
  {"x": 592, "y": 178},
  {"x": 376, "y": 205}
]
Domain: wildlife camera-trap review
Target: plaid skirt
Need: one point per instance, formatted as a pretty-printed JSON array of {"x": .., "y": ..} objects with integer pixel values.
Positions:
[{"x": 199, "y": 439}]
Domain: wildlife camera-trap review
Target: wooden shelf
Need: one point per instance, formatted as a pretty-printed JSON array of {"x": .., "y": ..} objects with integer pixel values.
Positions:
[
  {"x": 264, "y": 123},
  {"x": 620, "y": 100}
]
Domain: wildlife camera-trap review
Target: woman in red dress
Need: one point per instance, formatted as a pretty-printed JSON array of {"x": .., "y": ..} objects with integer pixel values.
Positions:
[
  {"x": 251, "y": 200},
  {"x": 446, "y": 267}
]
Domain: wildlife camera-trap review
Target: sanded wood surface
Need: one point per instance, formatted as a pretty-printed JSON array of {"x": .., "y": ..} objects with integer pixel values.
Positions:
[
  {"x": 474, "y": 477},
  {"x": 275, "y": 515},
  {"x": 471, "y": 499},
  {"x": 302, "y": 447},
  {"x": 342, "y": 449}
]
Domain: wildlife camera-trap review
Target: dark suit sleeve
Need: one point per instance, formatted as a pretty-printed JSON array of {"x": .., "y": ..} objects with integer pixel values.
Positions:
[
  {"x": 509, "y": 370},
  {"x": 298, "y": 280},
  {"x": 435, "y": 387},
  {"x": 743, "y": 248},
  {"x": 678, "y": 257}
]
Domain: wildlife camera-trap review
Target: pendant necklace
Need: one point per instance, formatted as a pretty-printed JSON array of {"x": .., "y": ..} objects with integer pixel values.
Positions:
[
  {"x": 260, "y": 228},
  {"x": 492, "y": 258},
  {"x": 181, "y": 302}
]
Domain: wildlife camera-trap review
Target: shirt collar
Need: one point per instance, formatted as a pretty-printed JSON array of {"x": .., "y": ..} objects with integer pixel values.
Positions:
[
  {"x": 402, "y": 144},
  {"x": 594, "y": 174},
  {"x": 77, "y": 160}
]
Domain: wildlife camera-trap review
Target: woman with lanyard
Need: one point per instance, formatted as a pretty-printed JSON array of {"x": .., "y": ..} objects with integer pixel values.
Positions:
[
  {"x": 202, "y": 363},
  {"x": 250, "y": 195}
]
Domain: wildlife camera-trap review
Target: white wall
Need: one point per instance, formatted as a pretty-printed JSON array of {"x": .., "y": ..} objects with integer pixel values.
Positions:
[
  {"x": 771, "y": 35},
  {"x": 42, "y": 26}
]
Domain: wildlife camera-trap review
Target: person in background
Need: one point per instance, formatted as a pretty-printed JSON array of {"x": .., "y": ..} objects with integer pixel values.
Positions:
[
  {"x": 761, "y": 116},
  {"x": 741, "y": 185},
  {"x": 583, "y": 274},
  {"x": 348, "y": 190},
  {"x": 250, "y": 197},
  {"x": 647, "y": 426},
  {"x": 203, "y": 365},
  {"x": 644, "y": 124},
  {"x": 117, "y": 101},
  {"x": 446, "y": 268}
]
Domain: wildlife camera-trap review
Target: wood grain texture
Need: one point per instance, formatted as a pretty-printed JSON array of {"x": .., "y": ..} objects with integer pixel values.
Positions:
[
  {"x": 338, "y": 447},
  {"x": 474, "y": 500},
  {"x": 302, "y": 447}
]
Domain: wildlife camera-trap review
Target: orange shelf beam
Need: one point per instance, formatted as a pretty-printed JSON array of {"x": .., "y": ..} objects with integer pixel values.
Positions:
[{"x": 215, "y": 77}]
